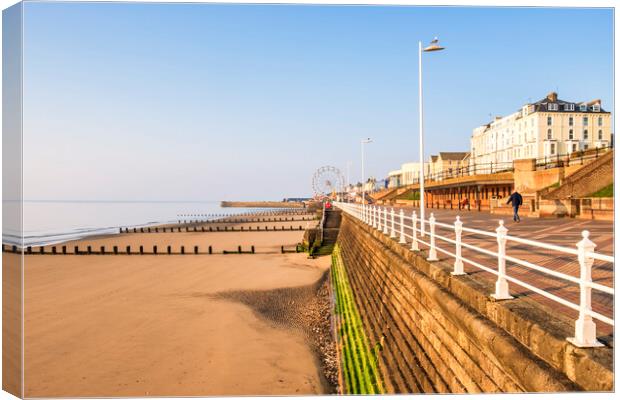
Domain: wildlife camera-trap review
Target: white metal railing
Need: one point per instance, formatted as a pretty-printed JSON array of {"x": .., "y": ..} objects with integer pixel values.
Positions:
[{"x": 394, "y": 224}]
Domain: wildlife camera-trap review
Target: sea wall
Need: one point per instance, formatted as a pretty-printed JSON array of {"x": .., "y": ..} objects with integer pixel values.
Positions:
[{"x": 436, "y": 333}]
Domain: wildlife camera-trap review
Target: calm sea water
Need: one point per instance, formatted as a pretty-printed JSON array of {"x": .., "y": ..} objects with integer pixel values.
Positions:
[{"x": 47, "y": 222}]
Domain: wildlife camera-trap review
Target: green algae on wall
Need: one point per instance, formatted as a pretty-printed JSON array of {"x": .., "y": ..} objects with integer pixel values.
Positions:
[{"x": 359, "y": 366}]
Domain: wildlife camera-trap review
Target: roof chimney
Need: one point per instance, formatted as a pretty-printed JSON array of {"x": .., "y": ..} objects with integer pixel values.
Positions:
[{"x": 552, "y": 97}]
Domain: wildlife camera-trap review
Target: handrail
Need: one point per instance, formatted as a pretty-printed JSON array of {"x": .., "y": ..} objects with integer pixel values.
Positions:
[
  {"x": 507, "y": 166},
  {"x": 390, "y": 223}
]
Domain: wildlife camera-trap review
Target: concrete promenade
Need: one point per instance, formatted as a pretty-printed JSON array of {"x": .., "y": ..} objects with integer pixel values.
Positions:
[{"x": 564, "y": 232}]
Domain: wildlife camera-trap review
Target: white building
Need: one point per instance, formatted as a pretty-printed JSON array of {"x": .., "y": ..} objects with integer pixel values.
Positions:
[
  {"x": 411, "y": 172},
  {"x": 394, "y": 178},
  {"x": 544, "y": 129},
  {"x": 407, "y": 174}
]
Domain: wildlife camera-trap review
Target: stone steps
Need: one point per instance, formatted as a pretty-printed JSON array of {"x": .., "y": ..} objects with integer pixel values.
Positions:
[{"x": 585, "y": 181}]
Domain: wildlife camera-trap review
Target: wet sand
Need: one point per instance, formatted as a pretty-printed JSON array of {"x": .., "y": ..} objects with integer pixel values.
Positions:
[{"x": 107, "y": 325}]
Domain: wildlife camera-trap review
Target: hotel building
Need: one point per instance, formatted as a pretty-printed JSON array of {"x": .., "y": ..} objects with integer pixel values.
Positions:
[{"x": 544, "y": 129}]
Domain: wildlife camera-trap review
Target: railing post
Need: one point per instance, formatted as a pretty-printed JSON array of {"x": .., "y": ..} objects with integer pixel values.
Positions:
[
  {"x": 501, "y": 286},
  {"x": 458, "y": 262},
  {"x": 385, "y": 221},
  {"x": 414, "y": 223},
  {"x": 393, "y": 230},
  {"x": 402, "y": 227},
  {"x": 432, "y": 252},
  {"x": 585, "y": 328},
  {"x": 374, "y": 216},
  {"x": 379, "y": 213}
]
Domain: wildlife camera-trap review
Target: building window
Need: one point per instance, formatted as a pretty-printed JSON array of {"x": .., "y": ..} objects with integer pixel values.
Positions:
[
  {"x": 600, "y": 134},
  {"x": 600, "y": 121},
  {"x": 585, "y": 134},
  {"x": 569, "y": 107},
  {"x": 549, "y": 121},
  {"x": 570, "y": 121},
  {"x": 574, "y": 147},
  {"x": 571, "y": 136},
  {"x": 596, "y": 107},
  {"x": 585, "y": 147},
  {"x": 585, "y": 121},
  {"x": 552, "y": 148},
  {"x": 553, "y": 107},
  {"x": 549, "y": 134},
  {"x": 583, "y": 107}
]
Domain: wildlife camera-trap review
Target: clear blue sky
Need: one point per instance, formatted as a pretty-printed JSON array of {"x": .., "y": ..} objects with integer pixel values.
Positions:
[{"x": 210, "y": 102}]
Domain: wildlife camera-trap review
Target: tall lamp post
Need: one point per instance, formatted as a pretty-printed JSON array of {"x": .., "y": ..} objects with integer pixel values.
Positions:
[
  {"x": 364, "y": 141},
  {"x": 434, "y": 46},
  {"x": 348, "y": 180}
]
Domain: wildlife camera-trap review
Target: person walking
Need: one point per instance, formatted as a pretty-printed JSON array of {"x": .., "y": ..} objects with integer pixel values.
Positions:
[{"x": 516, "y": 199}]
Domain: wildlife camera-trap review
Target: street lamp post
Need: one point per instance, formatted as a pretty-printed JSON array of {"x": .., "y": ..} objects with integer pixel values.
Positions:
[
  {"x": 348, "y": 180},
  {"x": 364, "y": 141},
  {"x": 434, "y": 46}
]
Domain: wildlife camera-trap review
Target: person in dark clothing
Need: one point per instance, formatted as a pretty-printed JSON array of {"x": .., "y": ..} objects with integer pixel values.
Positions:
[{"x": 516, "y": 199}]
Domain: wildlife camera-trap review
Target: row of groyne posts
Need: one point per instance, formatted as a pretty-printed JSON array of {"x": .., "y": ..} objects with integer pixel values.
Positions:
[
  {"x": 225, "y": 218},
  {"x": 88, "y": 250},
  {"x": 410, "y": 228},
  {"x": 188, "y": 229},
  {"x": 265, "y": 216}
]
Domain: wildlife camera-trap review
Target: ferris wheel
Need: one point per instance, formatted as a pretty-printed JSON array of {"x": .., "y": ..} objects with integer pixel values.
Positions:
[{"x": 326, "y": 181}]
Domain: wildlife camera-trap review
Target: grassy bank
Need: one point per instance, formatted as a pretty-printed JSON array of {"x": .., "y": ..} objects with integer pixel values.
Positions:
[
  {"x": 607, "y": 191},
  {"x": 409, "y": 196},
  {"x": 359, "y": 368}
]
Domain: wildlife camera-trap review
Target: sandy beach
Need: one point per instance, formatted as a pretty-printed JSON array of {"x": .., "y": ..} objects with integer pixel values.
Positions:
[{"x": 163, "y": 325}]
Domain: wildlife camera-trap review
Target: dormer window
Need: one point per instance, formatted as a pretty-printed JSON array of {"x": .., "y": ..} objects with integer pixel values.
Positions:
[
  {"x": 569, "y": 107},
  {"x": 553, "y": 107},
  {"x": 583, "y": 107},
  {"x": 596, "y": 107}
]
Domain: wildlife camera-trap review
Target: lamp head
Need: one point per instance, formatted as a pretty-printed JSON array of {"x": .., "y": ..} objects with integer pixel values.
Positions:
[
  {"x": 434, "y": 46},
  {"x": 367, "y": 140}
]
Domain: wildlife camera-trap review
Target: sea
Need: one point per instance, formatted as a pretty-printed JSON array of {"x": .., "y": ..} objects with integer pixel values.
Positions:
[{"x": 49, "y": 222}]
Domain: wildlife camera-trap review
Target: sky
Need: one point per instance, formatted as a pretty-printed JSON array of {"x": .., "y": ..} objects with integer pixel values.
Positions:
[{"x": 136, "y": 101}]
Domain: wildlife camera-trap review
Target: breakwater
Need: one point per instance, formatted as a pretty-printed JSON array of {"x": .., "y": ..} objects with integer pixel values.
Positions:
[
  {"x": 436, "y": 333},
  {"x": 263, "y": 204}
]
